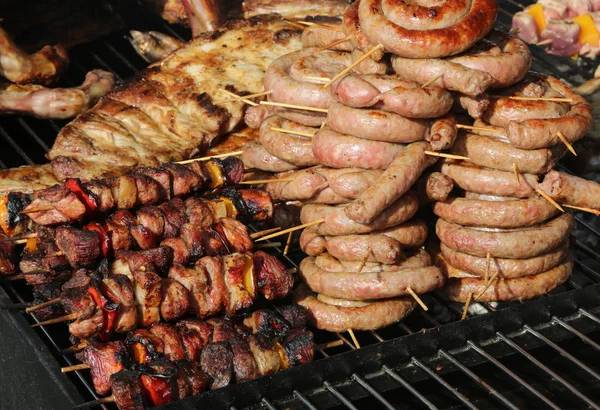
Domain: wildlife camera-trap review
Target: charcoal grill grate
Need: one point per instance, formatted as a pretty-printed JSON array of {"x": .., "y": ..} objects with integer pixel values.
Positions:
[{"x": 497, "y": 358}]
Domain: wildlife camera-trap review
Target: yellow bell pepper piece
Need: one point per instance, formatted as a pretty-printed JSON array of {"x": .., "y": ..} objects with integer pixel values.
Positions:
[
  {"x": 537, "y": 11},
  {"x": 589, "y": 33}
]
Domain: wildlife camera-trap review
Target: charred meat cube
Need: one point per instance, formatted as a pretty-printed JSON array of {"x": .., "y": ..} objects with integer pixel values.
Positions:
[
  {"x": 195, "y": 281},
  {"x": 233, "y": 169},
  {"x": 268, "y": 323},
  {"x": 151, "y": 218},
  {"x": 213, "y": 243},
  {"x": 147, "y": 296},
  {"x": 80, "y": 280},
  {"x": 236, "y": 267},
  {"x": 81, "y": 247},
  {"x": 236, "y": 235},
  {"x": 192, "y": 236},
  {"x": 195, "y": 335},
  {"x": 175, "y": 300},
  {"x": 148, "y": 190},
  {"x": 185, "y": 181},
  {"x": 199, "y": 168},
  {"x": 218, "y": 208},
  {"x": 273, "y": 281},
  {"x": 215, "y": 298},
  {"x": 161, "y": 176},
  {"x": 199, "y": 213},
  {"x": 66, "y": 207},
  {"x": 294, "y": 314},
  {"x": 217, "y": 362},
  {"x": 265, "y": 354},
  {"x": 127, "y": 390},
  {"x": 144, "y": 346},
  {"x": 104, "y": 359},
  {"x": 103, "y": 193},
  {"x": 118, "y": 230},
  {"x": 91, "y": 317},
  {"x": 299, "y": 347},
  {"x": 173, "y": 345},
  {"x": 190, "y": 375},
  {"x": 224, "y": 329},
  {"x": 43, "y": 293},
  {"x": 181, "y": 253},
  {"x": 45, "y": 240},
  {"x": 175, "y": 217},
  {"x": 244, "y": 365},
  {"x": 156, "y": 260},
  {"x": 144, "y": 238},
  {"x": 120, "y": 290},
  {"x": 124, "y": 190}
]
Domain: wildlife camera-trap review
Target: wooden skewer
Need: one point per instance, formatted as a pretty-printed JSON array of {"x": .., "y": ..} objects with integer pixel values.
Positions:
[
  {"x": 544, "y": 42},
  {"x": 42, "y": 305},
  {"x": 551, "y": 99},
  {"x": 353, "y": 336},
  {"x": 328, "y": 345},
  {"x": 322, "y": 79},
  {"x": 417, "y": 298},
  {"x": 65, "y": 318},
  {"x": 258, "y": 234},
  {"x": 109, "y": 399},
  {"x": 295, "y": 228},
  {"x": 34, "y": 210},
  {"x": 488, "y": 258},
  {"x": 244, "y": 97},
  {"x": 287, "y": 243},
  {"x": 492, "y": 279},
  {"x": 265, "y": 181},
  {"x": 293, "y": 23},
  {"x": 75, "y": 367},
  {"x": 444, "y": 155},
  {"x": 16, "y": 239},
  {"x": 18, "y": 276},
  {"x": 552, "y": 201},
  {"x": 302, "y": 133},
  {"x": 311, "y": 24},
  {"x": 472, "y": 127},
  {"x": 74, "y": 349},
  {"x": 466, "y": 309},
  {"x": 296, "y": 107},
  {"x": 351, "y": 66},
  {"x": 335, "y": 43},
  {"x": 567, "y": 143},
  {"x": 364, "y": 261},
  {"x": 267, "y": 245},
  {"x": 516, "y": 173},
  {"x": 245, "y": 100},
  {"x": 579, "y": 208},
  {"x": 433, "y": 80},
  {"x": 229, "y": 154}
]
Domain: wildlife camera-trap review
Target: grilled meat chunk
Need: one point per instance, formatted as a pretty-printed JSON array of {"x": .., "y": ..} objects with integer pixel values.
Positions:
[
  {"x": 236, "y": 266},
  {"x": 60, "y": 206},
  {"x": 197, "y": 381},
  {"x": 217, "y": 361},
  {"x": 81, "y": 247},
  {"x": 269, "y": 323},
  {"x": 144, "y": 346},
  {"x": 175, "y": 299},
  {"x": 120, "y": 290},
  {"x": 273, "y": 281},
  {"x": 104, "y": 359},
  {"x": 127, "y": 390},
  {"x": 195, "y": 334},
  {"x": 173, "y": 345},
  {"x": 147, "y": 296}
]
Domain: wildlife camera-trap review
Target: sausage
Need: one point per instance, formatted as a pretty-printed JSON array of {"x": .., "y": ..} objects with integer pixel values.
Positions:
[
  {"x": 341, "y": 302},
  {"x": 506, "y": 268},
  {"x": 338, "y": 318},
  {"x": 337, "y": 223},
  {"x": 434, "y": 187},
  {"x": 386, "y": 246},
  {"x": 352, "y": 28},
  {"x": 443, "y": 132},
  {"x": 255, "y": 115},
  {"x": 314, "y": 66},
  {"x": 415, "y": 31},
  {"x": 344, "y": 151},
  {"x": 513, "y": 244},
  {"x": 489, "y": 181},
  {"x": 320, "y": 36},
  {"x": 285, "y": 89},
  {"x": 351, "y": 184},
  {"x": 485, "y": 197},
  {"x": 496, "y": 214},
  {"x": 416, "y": 258},
  {"x": 295, "y": 149},
  {"x": 542, "y": 133},
  {"x": 528, "y": 287},
  {"x": 308, "y": 118},
  {"x": 491, "y": 153},
  {"x": 370, "y": 285},
  {"x": 369, "y": 65},
  {"x": 474, "y": 106},
  {"x": 304, "y": 185},
  {"x": 396, "y": 180},
  {"x": 376, "y": 124},
  {"x": 256, "y": 156},
  {"x": 571, "y": 190},
  {"x": 502, "y": 111}
]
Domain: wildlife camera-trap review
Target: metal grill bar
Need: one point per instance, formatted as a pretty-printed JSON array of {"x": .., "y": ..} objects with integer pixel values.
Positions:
[
  {"x": 339, "y": 396},
  {"x": 408, "y": 386},
  {"x": 373, "y": 392},
  {"x": 583, "y": 337},
  {"x": 304, "y": 400}
]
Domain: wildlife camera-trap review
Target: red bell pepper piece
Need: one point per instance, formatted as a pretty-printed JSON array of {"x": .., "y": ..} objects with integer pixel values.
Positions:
[
  {"x": 158, "y": 390},
  {"x": 88, "y": 199},
  {"x": 109, "y": 307},
  {"x": 105, "y": 239}
]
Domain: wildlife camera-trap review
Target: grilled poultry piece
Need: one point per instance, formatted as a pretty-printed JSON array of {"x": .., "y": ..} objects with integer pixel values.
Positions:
[
  {"x": 153, "y": 45},
  {"x": 55, "y": 103},
  {"x": 43, "y": 67},
  {"x": 167, "y": 113}
]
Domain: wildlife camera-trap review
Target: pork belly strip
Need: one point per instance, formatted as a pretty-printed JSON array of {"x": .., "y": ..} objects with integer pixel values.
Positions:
[{"x": 167, "y": 112}]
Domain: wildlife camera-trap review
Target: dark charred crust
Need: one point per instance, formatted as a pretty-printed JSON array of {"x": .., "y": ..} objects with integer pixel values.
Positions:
[
  {"x": 285, "y": 35},
  {"x": 233, "y": 169},
  {"x": 273, "y": 281},
  {"x": 299, "y": 347},
  {"x": 16, "y": 202}
]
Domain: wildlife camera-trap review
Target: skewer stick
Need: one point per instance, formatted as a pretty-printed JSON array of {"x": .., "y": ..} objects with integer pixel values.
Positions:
[
  {"x": 65, "y": 318},
  {"x": 34, "y": 210},
  {"x": 74, "y": 349},
  {"x": 258, "y": 234},
  {"x": 16, "y": 239},
  {"x": 229, "y": 154},
  {"x": 287, "y": 243},
  {"x": 579, "y": 208},
  {"x": 301, "y": 133},
  {"x": 293, "y": 23},
  {"x": 335, "y": 43},
  {"x": 551, "y": 99},
  {"x": 267, "y": 245},
  {"x": 472, "y": 127},
  {"x": 245, "y": 100},
  {"x": 417, "y": 298},
  {"x": 364, "y": 261},
  {"x": 351, "y": 66},
  {"x": 42, "y": 305},
  {"x": 311, "y": 24},
  {"x": 18, "y": 276},
  {"x": 322, "y": 79},
  {"x": 488, "y": 258},
  {"x": 75, "y": 367},
  {"x": 328, "y": 345},
  {"x": 295, "y": 228},
  {"x": 296, "y": 107},
  {"x": 552, "y": 201},
  {"x": 265, "y": 181},
  {"x": 466, "y": 309},
  {"x": 433, "y": 80},
  {"x": 544, "y": 42},
  {"x": 244, "y": 97},
  {"x": 109, "y": 399},
  {"x": 516, "y": 173},
  {"x": 353, "y": 336},
  {"x": 444, "y": 155},
  {"x": 492, "y": 279},
  {"x": 567, "y": 143}
]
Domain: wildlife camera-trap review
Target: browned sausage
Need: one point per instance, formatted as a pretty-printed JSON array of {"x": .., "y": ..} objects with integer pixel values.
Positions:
[
  {"x": 514, "y": 243},
  {"x": 495, "y": 214},
  {"x": 352, "y": 28},
  {"x": 370, "y": 285},
  {"x": 415, "y": 258},
  {"x": 344, "y": 151},
  {"x": 571, "y": 190},
  {"x": 351, "y": 184},
  {"x": 528, "y": 287},
  {"x": 256, "y": 115},
  {"x": 490, "y": 181},
  {"x": 474, "y": 106},
  {"x": 312, "y": 242},
  {"x": 415, "y": 31},
  {"x": 318, "y": 67},
  {"x": 338, "y": 318},
  {"x": 337, "y": 223},
  {"x": 256, "y": 156},
  {"x": 443, "y": 132},
  {"x": 506, "y": 268},
  {"x": 434, "y": 187},
  {"x": 491, "y": 153},
  {"x": 502, "y": 111},
  {"x": 396, "y": 180},
  {"x": 320, "y": 36},
  {"x": 293, "y": 149},
  {"x": 368, "y": 65}
]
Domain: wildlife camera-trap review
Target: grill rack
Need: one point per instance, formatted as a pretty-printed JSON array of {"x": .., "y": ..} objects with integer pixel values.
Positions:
[{"x": 493, "y": 359}]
